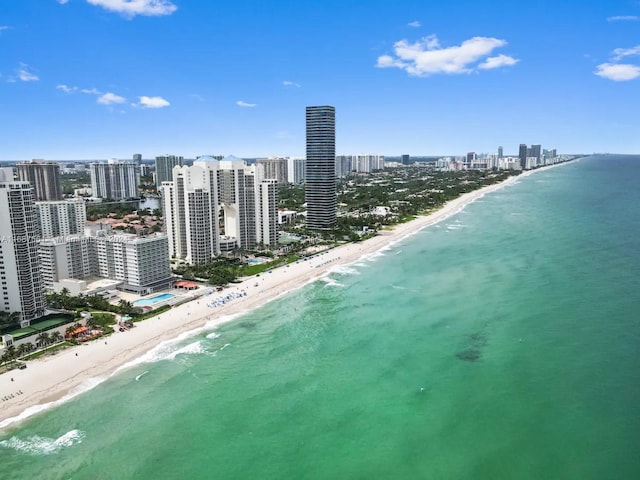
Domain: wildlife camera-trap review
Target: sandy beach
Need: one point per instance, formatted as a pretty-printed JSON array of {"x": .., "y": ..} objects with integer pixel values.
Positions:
[{"x": 51, "y": 380}]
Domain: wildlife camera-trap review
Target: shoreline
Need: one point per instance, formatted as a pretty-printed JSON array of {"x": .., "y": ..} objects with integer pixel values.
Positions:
[{"x": 51, "y": 381}]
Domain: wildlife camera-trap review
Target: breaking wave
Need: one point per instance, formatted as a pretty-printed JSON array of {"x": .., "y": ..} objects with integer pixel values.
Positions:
[{"x": 37, "y": 445}]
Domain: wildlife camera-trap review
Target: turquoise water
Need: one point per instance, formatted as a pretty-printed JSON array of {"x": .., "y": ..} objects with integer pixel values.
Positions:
[
  {"x": 500, "y": 344},
  {"x": 143, "y": 302}
]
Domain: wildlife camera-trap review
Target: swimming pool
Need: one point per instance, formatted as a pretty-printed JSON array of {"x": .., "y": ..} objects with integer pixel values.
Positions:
[
  {"x": 256, "y": 261},
  {"x": 144, "y": 302}
]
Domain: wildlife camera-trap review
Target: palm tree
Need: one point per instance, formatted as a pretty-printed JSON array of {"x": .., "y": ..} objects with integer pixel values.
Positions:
[
  {"x": 23, "y": 349},
  {"x": 43, "y": 339},
  {"x": 5, "y": 358},
  {"x": 69, "y": 331},
  {"x": 56, "y": 337},
  {"x": 11, "y": 353}
]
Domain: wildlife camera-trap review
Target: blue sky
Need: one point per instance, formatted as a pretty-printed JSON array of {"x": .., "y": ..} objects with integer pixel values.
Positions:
[{"x": 97, "y": 79}]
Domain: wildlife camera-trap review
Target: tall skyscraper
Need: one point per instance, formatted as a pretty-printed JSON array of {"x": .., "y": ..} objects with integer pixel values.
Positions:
[
  {"x": 500, "y": 152},
  {"x": 137, "y": 158},
  {"x": 536, "y": 151},
  {"x": 267, "y": 212},
  {"x": 20, "y": 276},
  {"x": 115, "y": 180},
  {"x": 44, "y": 177},
  {"x": 320, "y": 186},
  {"x": 164, "y": 168},
  {"x": 522, "y": 155}
]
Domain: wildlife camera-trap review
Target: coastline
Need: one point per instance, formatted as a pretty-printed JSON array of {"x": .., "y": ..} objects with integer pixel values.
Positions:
[{"x": 50, "y": 381}]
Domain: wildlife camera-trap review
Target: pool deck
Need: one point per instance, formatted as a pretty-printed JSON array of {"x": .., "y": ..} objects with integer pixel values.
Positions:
[{"x": 179, "y": 296}]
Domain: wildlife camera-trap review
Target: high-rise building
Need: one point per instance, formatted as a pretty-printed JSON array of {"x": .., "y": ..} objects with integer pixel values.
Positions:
[
  {"x": 137, "y": 158},
  {"x": 320, "y": 186},
  {"x": 297, "y": 170},
  {"x": 141, "y": 264},
  {"x": 405, "y": 159},
  {"x": 272, "y": 168},
  {"x": 20, "y": 276},
  {"x": 522, "y": 155},
  {"x": 115, "y": 180},
  {"x": 44, "y": 177},
  {"x": 267, "y": 213},
  {"x": 362, "y": 163},
  {"x": 211, "y": 207},
  {"x": 536, "y": 151},
  {"x": 500, "y": 152},
  {"x": 64, "y": 217},
  {"x": 164, "y": 167},
  {"x": 344, "y": 165}
]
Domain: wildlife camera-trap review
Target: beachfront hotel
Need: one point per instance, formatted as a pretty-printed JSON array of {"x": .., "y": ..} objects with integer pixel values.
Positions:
[
  {"x": 114, "y": 180},
  {"x": 137, "y": 264},
  {"x": 164, "y": 167},
  {"x": 63, "y": 217},
  {"x": 320, "y": 184},
  {"x": 211, "y": 208},
  {"x": 20, "y": 275},
  {"x": 44, "y": 177}
]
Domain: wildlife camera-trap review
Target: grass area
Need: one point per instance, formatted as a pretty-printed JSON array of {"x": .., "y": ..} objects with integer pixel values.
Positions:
[
  {"x": 265, "y": 267},
  {"x": 152, "y": 313}
]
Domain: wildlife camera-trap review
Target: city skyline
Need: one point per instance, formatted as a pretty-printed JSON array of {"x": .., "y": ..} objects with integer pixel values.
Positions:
[{"x": 99, "y": 79}]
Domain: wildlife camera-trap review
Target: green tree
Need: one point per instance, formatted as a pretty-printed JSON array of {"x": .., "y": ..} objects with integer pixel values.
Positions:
[{"x": 43, "y": 339}]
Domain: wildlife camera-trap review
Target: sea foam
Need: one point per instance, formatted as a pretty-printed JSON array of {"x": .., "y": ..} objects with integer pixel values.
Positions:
[{"x": 37, "y": 445}]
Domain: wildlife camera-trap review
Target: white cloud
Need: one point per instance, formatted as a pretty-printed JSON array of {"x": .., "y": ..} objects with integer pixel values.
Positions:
[
  {"x": 131, "y": 8},
  {"x": 62, "y": 2},
  {"x": 91, "y": 91},
  {"x": 619, "y": 53},
  {"x": 240, "y": 103},
  {"x": 498, "y": 61},
  {"x": 25, "y": 75},
  {"x": 288, "y": 83},
  {"x": 110, "y": 98},
  {"x": 153, "y": 102},
  {"x": 622, "y": 18},
  {"x": 414, "y": 24},
  {"x": 426, "y": 57},
  {"x": 4, "y": 27},
  {"x": 618, "y": 72},
  {"x": 66, "y": 88}
]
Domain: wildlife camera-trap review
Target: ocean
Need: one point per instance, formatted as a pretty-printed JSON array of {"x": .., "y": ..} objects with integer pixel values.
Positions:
[{"x": 501, "y": 343}]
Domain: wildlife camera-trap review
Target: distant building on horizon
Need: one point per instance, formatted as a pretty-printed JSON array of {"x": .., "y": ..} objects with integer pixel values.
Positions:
[
  {"x": 137, "y": 158},
  {"x": 522, "y": 155},
  {"x": 500, "y": 152},
  {"x": 114, "y": 180},
  {"x": 405, "y": 159},
  {"x": 164, "y": 167},
  {"x": 272, "y": 168},
  {"x": 44, "y": 177},
  {"x": 297, "y": 170},
  {"x": 320, "y": 185}
]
